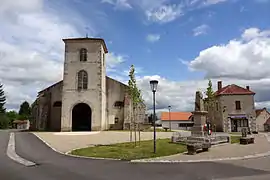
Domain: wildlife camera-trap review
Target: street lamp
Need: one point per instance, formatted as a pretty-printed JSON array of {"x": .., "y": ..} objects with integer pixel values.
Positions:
[
  {"x": 153, "y": 85},
  {"x": 169, "y": 107}
]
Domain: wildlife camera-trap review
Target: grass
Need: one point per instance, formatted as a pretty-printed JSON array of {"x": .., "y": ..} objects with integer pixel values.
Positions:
[
  {"x": 146, "y": 130},
  {"x": 127, "y": 151},
  {"x": 235, "y": 139}
]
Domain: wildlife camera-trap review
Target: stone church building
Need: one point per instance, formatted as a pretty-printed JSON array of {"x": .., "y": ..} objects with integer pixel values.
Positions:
[{"x": 86, "y": 99}]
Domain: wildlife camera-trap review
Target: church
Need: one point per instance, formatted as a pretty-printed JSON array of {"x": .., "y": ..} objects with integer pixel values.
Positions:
[{"x": 86, "y": 99}]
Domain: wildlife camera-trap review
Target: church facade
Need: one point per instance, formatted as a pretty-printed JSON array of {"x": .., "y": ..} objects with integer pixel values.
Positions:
[{"x": 86, "y": 99}]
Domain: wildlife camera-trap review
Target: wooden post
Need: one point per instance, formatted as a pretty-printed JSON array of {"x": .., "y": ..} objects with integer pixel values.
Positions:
[{"x": 130, "y": 130}]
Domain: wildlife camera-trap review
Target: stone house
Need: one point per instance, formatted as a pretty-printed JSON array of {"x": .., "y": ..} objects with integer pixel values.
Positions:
[
  {"x": 86, "y": 99},
  {"x": 233, "y": 109},
  {"x": 177, "y": 120},
  {"x": 262, "y": 115}
]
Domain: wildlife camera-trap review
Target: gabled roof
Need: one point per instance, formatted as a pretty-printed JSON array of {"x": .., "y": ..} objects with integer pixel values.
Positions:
[
  {"x": 259, "y": 111},
  {"x": 175, "y": 116},
  {"x": 233, "y": 90},
  {"x": 267, "y": 121}
]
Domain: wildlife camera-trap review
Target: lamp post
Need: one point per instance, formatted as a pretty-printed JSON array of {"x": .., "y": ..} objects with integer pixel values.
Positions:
[
  {"x": 153, "y": 85},
  {"x": 169, "y": 107}
]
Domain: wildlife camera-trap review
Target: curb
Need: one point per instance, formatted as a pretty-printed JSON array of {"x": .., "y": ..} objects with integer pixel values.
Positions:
[
  {"x": 71, "y": 155},
  {"x": 206, "y": 160},
  {"x": 11, "y": 152}
]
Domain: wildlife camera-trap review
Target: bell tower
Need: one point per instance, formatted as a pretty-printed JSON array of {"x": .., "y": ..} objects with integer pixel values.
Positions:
[{"x": 84, "y": 85}]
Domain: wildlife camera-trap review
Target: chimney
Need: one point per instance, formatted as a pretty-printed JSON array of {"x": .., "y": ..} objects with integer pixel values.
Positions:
[
  {"x": 219, "y": 84},
  {"x": 247, "y": 87}
]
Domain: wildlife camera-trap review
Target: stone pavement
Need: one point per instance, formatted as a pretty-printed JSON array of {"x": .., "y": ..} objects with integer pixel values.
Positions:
[
  {"x": 65, "y": 142},
  {"x": 261, "y": 145}
]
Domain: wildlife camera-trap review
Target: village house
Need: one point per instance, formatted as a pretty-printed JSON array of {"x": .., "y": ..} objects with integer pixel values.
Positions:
[
  {"x": 86, "y": 99},
  {"x": 234, "y": 109},
  {"x": 262, "y": 116},
  {"x": 177, "y": 120}
]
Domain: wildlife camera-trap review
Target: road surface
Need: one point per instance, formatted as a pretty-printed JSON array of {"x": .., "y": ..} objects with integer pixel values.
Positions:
[{"x": 54, "y": 166}]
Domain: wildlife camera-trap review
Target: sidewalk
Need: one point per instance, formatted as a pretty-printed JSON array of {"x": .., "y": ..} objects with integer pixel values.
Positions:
[
  {"x": 65, "y": 142},
  {"x": 225, "y": 151}
]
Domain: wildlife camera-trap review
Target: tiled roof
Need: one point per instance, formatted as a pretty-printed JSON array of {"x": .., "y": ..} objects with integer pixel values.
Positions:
[
  {"x": 259, "y": 111},
  {"x": 267, "y": 121},
  {"x": 175, "y": 116},
  {"x": 233, "y": 90}
]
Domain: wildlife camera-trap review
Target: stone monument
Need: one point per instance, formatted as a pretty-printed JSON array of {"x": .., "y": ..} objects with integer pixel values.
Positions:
[{"x": 199, "y": 116}]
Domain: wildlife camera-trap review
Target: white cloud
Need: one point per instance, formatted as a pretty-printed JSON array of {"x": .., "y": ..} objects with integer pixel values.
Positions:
[
  {"x": 113, "y": 60},
  {"x": 164, "y": 13},
  {"x": 244, "y": 58},
  {"x": 118, "y": 4},
  {"x": 200, "y": 30},
  {"x": 31, "y": 47},
  {"x": 153, "y": 37},
  {"x": 211, "y": 2}
]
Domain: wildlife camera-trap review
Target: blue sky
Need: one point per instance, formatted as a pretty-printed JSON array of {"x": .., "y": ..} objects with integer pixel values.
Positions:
[
  {"x": 127, "y": 29},
  {"x": 181, "y": 43}
]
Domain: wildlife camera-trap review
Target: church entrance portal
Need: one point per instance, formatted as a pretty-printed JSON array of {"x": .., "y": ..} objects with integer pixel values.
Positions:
[{"x": 81, "y": 117}]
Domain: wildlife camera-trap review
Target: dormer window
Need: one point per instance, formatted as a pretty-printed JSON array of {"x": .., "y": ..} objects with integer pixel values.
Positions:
[
  {"x": 119, "y": 104},
  {"x": 83, "y": 54}
]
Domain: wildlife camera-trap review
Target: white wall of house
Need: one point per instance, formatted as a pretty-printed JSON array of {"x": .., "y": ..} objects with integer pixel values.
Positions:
[
  {"x": 175, "y": 125},
  {"x": 261, "y": 119}
]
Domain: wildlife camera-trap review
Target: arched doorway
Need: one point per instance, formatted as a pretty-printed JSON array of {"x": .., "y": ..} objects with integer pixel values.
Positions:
[{"x": 81, "y": 117}]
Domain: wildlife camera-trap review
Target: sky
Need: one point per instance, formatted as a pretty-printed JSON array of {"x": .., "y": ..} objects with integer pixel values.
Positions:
[{"x": 180, "y": 43}]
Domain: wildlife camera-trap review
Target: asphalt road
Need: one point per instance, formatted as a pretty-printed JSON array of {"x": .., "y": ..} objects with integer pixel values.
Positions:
[{"x": 54, "y": 166}]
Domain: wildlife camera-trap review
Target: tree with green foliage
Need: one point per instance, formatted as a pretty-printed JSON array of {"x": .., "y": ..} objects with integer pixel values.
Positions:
[
  {"x": 25, "y": 111},
  {"x": 12, "y": 115},
  {"x": 4, "y": 122},
  {"x": 210, "y": 101},
  {"x": 136, "y": 98}
]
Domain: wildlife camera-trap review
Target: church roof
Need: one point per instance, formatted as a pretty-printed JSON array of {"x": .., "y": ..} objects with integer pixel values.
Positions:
[
  {"x": 88, "y": 39},
  {"x": 233, "y": 90},
  {"x": 55, "y": 84}
]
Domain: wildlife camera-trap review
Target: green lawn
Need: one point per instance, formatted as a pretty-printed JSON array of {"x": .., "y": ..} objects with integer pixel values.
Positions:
[
  {"x": 235, "y": 139},
  {"x": 127, "y": 151}
]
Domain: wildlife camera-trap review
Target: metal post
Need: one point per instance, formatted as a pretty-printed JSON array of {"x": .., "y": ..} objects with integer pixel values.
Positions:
[
  {"x": 154, "y": 109},
  {"x": 170, "y": 118}
]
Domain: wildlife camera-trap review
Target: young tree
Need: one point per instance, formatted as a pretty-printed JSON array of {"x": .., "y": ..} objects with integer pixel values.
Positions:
[
  {"x": 2, "y": 100},
  {"x": 135, "y": 95},
  {"x": 210, "y": 101},
  {"x": 25, "y": 111},
  {"x": 4, "y": 122}
]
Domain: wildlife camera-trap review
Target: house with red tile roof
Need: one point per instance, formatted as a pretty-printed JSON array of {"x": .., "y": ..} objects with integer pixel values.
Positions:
[
  {"x": 262, "y": 119},
  {"x": 234, "y": 108},
  {"x": 177, "y": 120}
]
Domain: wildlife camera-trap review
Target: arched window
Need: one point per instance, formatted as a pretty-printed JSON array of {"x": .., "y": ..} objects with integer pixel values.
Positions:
[
  {"x": 82, "y": 80},
  {"x": 83, "y": 54}
]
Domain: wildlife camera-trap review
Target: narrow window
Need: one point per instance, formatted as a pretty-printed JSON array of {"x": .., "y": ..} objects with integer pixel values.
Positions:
[
  {"x": 83, "y": 54},
  {"x": 237, "y": 105},
  {"x": 217, "y": 106},
  {"x": 82, "y": 80}
]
